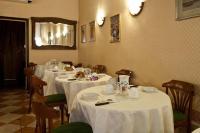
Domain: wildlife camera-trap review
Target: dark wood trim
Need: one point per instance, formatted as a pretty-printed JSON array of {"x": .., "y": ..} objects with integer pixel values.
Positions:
[
  {"x": 55, "y": 20},
  {"x": 26, "y": 20},
  {"x": 13, "y": 18}
]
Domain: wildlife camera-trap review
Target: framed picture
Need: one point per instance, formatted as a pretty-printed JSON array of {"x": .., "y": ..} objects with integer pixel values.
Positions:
[
  {"x": 92, "y": 31},
  {"x": 83, "y": 34},
  {"x": 115, "y": 28},
  {"x": 187, "y": 9}
]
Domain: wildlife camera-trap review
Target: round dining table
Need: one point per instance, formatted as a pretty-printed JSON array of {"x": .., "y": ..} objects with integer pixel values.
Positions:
[
  {"x": 72, "y": 87},
  {"x": 151, "y": 112},
  {"x": 50, "y": 76}
]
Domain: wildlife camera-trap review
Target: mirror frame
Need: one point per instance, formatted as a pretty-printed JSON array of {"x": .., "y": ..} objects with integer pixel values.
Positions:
[{"x": 54, "y": 20}]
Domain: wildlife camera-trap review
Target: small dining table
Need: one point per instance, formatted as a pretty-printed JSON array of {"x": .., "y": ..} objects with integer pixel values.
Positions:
[
  {"x": 73, "y": 87},
  {"x": 151, "y": 112},
  {"x": 49, "y": 77}
]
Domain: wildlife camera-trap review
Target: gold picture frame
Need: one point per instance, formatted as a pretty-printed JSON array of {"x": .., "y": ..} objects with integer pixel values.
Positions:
[
  {"x": 83, "y": 34},
  {"x": 187, "y": 9},
  {"x": 92, "y": 31},
  {"x": 115, "y": 28}
]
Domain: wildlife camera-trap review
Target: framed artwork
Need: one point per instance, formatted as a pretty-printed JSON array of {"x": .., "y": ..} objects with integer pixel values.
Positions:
[
  {"x": 92, "y": 31},
  {"x": 187, "y": 9},
  {"x": 115, "y": 28},
  {"x": 83, "y": 34}
]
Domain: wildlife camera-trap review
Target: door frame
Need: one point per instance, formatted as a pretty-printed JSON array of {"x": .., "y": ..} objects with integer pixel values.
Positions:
[{"x": 26, "y": 21}]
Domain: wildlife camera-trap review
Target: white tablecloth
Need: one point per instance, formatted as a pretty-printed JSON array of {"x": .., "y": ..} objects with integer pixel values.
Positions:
[
  {"x": 71, "y": 88},
  {"x": 49, "y": 78},
  {"x": 39, "y": 71},
  {"x": 150, "y": 113},
  {"x": 196, "y": 131}
]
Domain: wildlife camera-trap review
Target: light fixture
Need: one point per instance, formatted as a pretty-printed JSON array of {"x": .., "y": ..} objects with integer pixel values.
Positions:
[
  {"x": 38, "y": 41},
  {"x": 21, "y": 1},
  {"x": 65, "y": 30},
  {"x": 135, "y": 6},
  {"x": 100, "y": 17}
]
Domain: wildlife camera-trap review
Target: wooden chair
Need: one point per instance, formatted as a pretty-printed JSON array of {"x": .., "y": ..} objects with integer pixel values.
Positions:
[
  {"x": 182, "y": 97},
  {"x": 32, "y": 66},
  {"x": 43, "y": 112},
  {"x": 28, "y": 73},
  {"x": 79, "y": 65},
  {"x": 67, "y": 62},
  {"x": 55, "y": 100},
  {"x": 99, "y": 69},
  {"x": 125, "y": 72}
]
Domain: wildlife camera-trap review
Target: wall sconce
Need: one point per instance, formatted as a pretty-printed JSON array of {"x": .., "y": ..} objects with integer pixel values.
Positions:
[
  {"x": 100, "y": 17},
  {"x": 22, "y": 1},
  {"x": 135, "y": 6}
]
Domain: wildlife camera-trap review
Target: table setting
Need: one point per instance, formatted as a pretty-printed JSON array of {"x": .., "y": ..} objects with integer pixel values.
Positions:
[
  {"x": 74, "y": 83},
  {"x": 110, "y": 109}
]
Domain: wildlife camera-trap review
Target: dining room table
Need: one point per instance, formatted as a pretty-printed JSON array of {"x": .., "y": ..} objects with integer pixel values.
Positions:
[
  {"x": 72, "y": 86},
  {"x": 149, "y": 112},
  {"x": 50, "y": 76}
]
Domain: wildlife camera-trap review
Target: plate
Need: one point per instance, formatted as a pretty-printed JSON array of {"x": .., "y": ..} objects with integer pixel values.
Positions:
[
  {"x": 149, "y": 89},
  {"x": 62, "y": 76},
  {"x": 135, "y": 97},
  {"x": 89, "y": 96},
  {"x": 107, "y": 93}
]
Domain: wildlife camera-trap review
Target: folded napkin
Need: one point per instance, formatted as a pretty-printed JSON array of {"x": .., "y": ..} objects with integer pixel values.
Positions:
[{"x": 148, "y": 89}]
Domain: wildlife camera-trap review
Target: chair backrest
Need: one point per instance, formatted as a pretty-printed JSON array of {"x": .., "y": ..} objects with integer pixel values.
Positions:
[
  {"x": 28, "y": 73},
  {"x": 43, "y": 112},
  {"x": 99, "y": 69},
  {"x": 125, "y": 72},
  {"x": 37, "y": 85},
  {"x": 32, "y": 66},
  {"x": 79, "y": 65},
  {"x": 67, "y": 62},
  {"x": 182, "y": 94}
]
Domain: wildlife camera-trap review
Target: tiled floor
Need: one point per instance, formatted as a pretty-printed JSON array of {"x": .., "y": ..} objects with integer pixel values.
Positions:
[
  {"x": 14, "y": 117},
  {"x": 13, "y": 112}
]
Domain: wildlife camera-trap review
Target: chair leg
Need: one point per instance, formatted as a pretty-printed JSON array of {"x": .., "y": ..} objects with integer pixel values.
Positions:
[
  {"x": 37, "y": 126},
  {"x": 62, "y": 113},
  {"x": 189, "y": 127},
  {"x": 44, "y": 125},
  {"x": 30, "y": 101},
  {"x": 67, "y": 114}
]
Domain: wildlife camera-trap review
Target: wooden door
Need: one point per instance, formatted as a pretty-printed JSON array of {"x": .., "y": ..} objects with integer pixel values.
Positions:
[{"x": 12, "y": 60}]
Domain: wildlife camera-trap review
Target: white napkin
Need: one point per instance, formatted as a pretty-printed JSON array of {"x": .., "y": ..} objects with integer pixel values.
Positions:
[{"x": 148, "y": 89}]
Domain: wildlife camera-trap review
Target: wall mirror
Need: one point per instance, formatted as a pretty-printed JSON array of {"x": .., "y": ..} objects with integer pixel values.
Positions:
[{"x": 53, "y": 33}]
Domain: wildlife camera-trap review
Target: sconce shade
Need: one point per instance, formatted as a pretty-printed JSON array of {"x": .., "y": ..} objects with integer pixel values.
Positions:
[
  {"x": 135, "y": 7},
  {"x": 101, "y": 21},
  {"x": 100, "y": 18}
]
